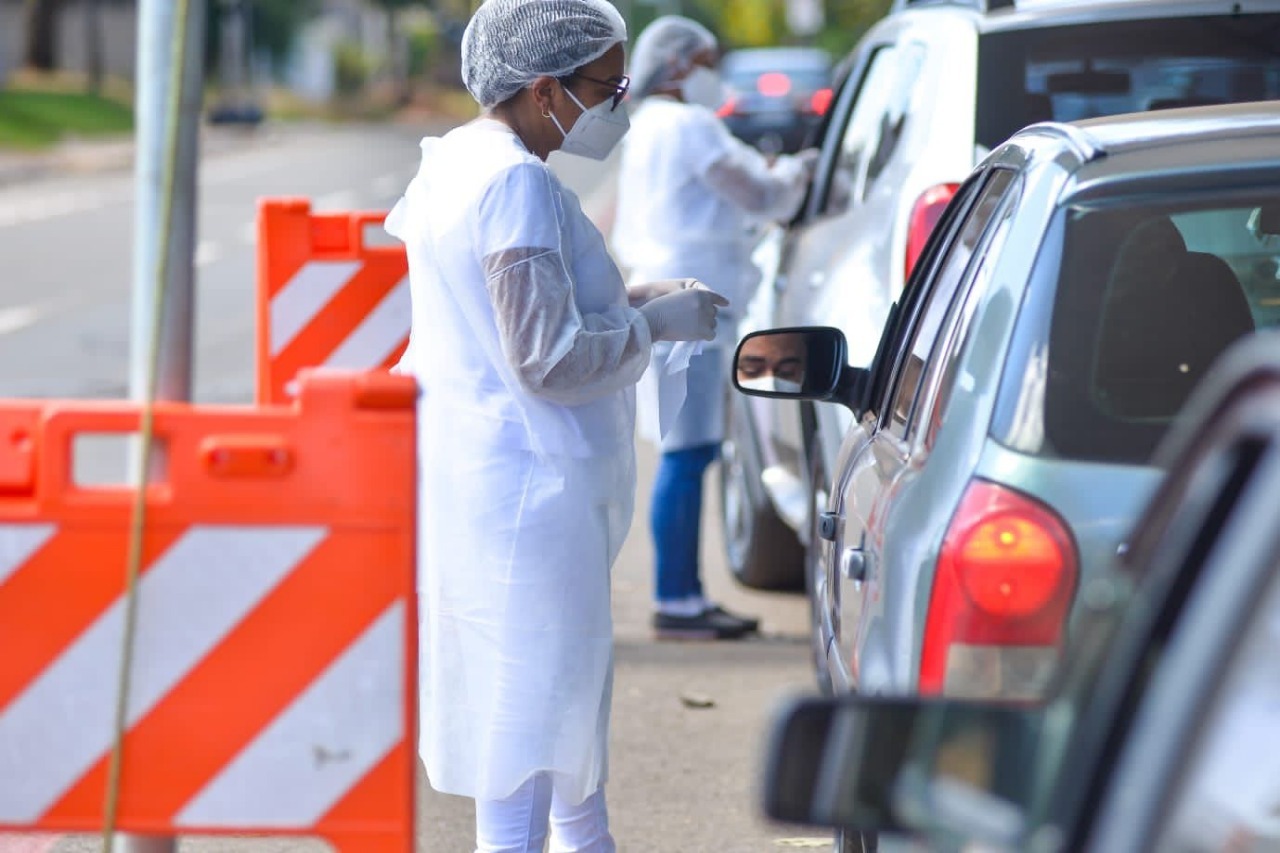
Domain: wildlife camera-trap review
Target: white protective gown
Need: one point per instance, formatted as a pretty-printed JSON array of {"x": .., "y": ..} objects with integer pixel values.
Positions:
[
  {"x": 688, "y": 194},
  {"x": 528, "y": 353}
]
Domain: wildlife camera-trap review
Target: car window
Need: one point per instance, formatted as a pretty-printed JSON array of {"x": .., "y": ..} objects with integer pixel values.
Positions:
[
  {"x": 1229, "y": 799},
  {"x": 861, "y": 132},
  {"x": 1065, "y": 73},
  {"x": 940, "y": 374},
  {"x": 904, "y": 312},
  {"x": 943, "y": 284},
  {"x": 1133, "y": 303}
]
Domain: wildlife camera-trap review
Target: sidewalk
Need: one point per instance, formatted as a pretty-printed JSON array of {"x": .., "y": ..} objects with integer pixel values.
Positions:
[{"x": 91, "y": 156}]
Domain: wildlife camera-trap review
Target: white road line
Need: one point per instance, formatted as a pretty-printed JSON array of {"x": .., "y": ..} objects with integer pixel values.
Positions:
[
  {"x": 207, "y": 252},
  {"x": 22, "y": 316},
  {"x": 340, "y": 200}
]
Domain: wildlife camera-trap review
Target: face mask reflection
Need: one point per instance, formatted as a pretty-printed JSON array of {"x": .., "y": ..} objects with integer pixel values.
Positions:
[{"x": 773, "y": 362}]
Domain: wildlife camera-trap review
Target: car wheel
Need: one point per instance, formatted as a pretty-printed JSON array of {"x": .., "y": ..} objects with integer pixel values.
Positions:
[
  {"x": 813, "y": 570},
  {"x": 763, "y": 552}
]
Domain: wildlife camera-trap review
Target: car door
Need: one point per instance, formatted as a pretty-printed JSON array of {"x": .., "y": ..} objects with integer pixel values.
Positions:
[
  {"x": 796, "y": 261},
  {"x": 1188, "y": 762},
  {"x": 910, "y": 370}
]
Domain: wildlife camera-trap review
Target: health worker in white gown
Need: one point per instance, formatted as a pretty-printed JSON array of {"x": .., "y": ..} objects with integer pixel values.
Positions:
[
  {"x": 688, "y": 196},
  {"x": 528, "y": 347}
]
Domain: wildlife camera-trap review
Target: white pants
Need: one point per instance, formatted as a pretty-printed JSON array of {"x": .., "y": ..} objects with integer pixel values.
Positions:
[{"x": 519, "y": 823}]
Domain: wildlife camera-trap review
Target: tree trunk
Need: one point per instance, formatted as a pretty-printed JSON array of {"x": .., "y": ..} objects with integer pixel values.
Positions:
[
  {"x": 41, "y": 49},
  {"x": 94, "y": 43}
]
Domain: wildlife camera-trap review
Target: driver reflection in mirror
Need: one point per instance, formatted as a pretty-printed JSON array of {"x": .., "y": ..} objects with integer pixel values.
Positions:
[{"x": 773, "y": 362}]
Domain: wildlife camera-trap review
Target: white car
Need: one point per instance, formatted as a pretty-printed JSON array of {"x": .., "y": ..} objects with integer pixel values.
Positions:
[{"x": 925, "y": 95}]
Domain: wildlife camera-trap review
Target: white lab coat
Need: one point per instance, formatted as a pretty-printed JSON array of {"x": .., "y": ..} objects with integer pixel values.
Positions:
[
  {"x": 688, "y": 194},
  {"x": 526, "y": 493}
]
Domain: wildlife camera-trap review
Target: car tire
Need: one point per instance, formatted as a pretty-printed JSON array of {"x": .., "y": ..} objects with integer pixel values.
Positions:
[
  {"x": 763, "y": 552},
  {"x": 812, "y": 568}
]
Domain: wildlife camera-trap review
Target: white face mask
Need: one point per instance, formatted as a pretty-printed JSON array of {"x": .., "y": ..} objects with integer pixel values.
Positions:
[
  {"x": 703, "y": 86},
  {"x": 597, "y": 131}
]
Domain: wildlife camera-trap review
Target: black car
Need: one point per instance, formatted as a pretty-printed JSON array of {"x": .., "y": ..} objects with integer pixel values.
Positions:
[
  {"x": 1163, "y": 732},
  {"x": 777, "y": 95}
]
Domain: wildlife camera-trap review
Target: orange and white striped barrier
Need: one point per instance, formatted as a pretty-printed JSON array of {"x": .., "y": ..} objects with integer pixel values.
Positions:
[
  {"x": 324, "y": 298},
  {"x": 275, "y": 654}
]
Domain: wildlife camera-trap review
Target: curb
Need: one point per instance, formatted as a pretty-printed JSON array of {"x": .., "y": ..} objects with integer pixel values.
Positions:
[{"x": 80, "y": 157}]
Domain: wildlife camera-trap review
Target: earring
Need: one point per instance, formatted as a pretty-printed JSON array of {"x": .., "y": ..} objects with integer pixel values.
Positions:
[{"x": 546, "y": 113}]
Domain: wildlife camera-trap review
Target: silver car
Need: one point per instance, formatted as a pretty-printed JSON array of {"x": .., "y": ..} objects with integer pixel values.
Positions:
[{"x": 1080, "y": 283}]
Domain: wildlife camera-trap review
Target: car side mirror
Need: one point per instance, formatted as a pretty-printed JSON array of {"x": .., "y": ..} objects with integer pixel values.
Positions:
[
  {"x": 802, "y": 363},
  {"x": 943, "y": 767}
]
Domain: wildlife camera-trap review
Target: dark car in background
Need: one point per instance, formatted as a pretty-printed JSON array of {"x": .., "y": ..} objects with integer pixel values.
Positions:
[
  {"x": 777, "y": 95},
  {"x": 1164, "y": 727}
]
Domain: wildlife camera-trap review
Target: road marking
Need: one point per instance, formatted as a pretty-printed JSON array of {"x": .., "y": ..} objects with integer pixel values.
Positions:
[
  {"x": 20, "y": 317},
  {"x": 207, "y": 252},
  {"x": 10, "y": 843},
  {"x": 340, "y": 200}
]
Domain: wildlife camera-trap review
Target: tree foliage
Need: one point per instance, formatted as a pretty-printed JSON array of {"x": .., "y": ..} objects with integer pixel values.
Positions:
[{"x": 273, "y": 23}]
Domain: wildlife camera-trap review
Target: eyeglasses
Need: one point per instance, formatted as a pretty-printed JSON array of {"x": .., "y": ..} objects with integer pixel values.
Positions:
[{"x": 619, "y": 89}]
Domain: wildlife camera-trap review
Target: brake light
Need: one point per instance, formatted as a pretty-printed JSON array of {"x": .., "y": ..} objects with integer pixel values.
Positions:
[
  {"x": 821, "y": 101},
  {"x": 729, "y": 107},
  {"x": 924, "y": 218},
  {"x": 1001, "y": 594},
  {"x": 774, "y": 84}
]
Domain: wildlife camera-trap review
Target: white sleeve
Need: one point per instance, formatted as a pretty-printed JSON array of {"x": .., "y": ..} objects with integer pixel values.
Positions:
[
  {"x": 743, "y": 176},
  {"x": 556, "y": 351}
]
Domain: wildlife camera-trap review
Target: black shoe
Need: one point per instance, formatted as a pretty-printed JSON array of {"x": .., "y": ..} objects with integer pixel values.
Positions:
[
  {"x": 749, "y": 623},
  {"x": 707, "y": 625}
]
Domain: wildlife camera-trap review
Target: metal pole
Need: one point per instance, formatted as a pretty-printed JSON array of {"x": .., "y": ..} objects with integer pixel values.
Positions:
[
  {"x": 164, "y": 179},
  {"x": 156, "y": 24}
]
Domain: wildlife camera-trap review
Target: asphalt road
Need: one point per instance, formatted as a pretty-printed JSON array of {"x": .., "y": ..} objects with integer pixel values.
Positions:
[{"x": 682, "y": 778}]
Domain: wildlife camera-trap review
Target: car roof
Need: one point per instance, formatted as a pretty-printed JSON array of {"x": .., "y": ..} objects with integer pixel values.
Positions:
[
  {"x": 1002, "y": 15},
  {"x": 1222, "y": 123}
]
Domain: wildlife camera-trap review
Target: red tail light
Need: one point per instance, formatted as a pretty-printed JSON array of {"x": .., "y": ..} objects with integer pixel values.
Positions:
[
  {"x": 821, "y": 101},
  {"x": 729, "y": 107},
  {"x": 924, "y": 218},
  {"x": 1003, "y": 588},
  {"x": 774, "y": 84}
]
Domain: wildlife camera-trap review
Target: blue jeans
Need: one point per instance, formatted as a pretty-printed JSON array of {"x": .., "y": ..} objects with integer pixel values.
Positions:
[{"x": 675, "y": 520}]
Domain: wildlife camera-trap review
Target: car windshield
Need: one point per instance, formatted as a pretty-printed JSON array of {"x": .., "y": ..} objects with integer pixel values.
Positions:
[
  {"x": 1105, "y": 68},
  {"x": 1129, "y": 304}
]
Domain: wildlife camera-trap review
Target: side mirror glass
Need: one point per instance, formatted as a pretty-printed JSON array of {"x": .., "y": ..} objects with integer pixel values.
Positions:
[
  {"x": 945, "y": 768},
  {"x": 798, "y": 364}
]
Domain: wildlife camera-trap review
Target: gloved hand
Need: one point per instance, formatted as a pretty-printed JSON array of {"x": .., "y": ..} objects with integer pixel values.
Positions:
[
  {"x": 685, "y": 315},
  {"x": 809, "y": 160},
  {"x": 650, "y": 290}
]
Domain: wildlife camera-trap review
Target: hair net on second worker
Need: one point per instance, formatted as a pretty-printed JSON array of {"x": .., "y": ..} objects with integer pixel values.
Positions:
[
  {"x": 662, "y": 44},
  {"x": 510, "y": 43}
]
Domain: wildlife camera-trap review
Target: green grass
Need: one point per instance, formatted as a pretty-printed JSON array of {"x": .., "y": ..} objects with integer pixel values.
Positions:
[{"x": 35, "y": 119}]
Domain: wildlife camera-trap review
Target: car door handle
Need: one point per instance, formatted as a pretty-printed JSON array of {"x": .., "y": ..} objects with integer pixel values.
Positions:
[
  {"x": 853, "y": 564},
  {"x": 829, "y": 525}
]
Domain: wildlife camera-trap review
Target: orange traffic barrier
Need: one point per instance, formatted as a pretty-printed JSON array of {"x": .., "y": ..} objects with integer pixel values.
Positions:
[
  {"x": 274, "y": 667},
  {"x": 324, "y": 298}
]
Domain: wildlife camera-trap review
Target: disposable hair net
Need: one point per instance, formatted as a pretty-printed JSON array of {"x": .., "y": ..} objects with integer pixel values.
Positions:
[
  {"x": 510, "y": 43},
  {"x": 661, "y": 46}
]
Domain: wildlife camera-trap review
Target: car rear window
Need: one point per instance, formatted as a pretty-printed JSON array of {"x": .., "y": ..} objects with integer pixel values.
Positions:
[
  {"x": 1128, "y": 307},
  {"x": 1081, "y": 71}
]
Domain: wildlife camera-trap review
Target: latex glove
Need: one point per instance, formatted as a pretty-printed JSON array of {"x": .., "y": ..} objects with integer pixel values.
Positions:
[
  {"x": 640, "y": 294},
  {"x": 685, "y": 315},
  {"x": 809, "y": 160}
]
